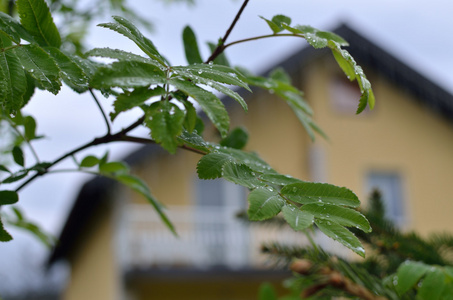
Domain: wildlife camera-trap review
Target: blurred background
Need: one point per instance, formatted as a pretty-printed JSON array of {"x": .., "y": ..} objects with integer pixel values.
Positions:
[{"x": 416, "y": 32}]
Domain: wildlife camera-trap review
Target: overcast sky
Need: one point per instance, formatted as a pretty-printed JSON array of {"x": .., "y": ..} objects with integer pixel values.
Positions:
[{"x": 417, "y": 32}]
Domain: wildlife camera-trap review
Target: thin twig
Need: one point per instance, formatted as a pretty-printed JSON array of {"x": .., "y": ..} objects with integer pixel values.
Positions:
[
  {"x": 147, "y": 141},
  {"x": 11, "y": 123},
  {"x": 102, "y": 110},
  {"x": 220, "y": 46}
]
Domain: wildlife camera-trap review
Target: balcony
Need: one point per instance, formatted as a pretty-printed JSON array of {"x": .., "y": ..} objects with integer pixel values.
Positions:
[{"x": 207, "y": 237}]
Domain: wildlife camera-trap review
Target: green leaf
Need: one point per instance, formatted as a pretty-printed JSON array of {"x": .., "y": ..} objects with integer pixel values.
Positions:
[
  {"x": 241, "y": 174},
  {"x": 16, "y": 176},
  {"x": 139, "y": 186},
  {"x": 247, "y": 158},
  {"x": 340, "y": 234},
  {"x": 191, "y": 46},
  {"x": 121, "y": 55},
  {"x": 127, "y": 74},
  {"x": 40, "y": 65},
  {"x": 409, "y": 274},
  {"x": 212, "y": 72},
  {"x": 274, "y": 27},
  {"x": 296, "y": 218},
  {"x": 14, "y": 83},
  {"x": 264, "y": 203},
  {"x": 354, "y": 71},
  {"x": 315, "y": 37},
  {"x": 341, "y": 215},
  {"x": 190, "y": 120},
  {"x": 13, "y": 29},
  {"x": 45, "y": 238},
  {"x": 130, "y": 99},
  {"x": 165, "y": 120},
  {"x": 279, "y": 20},
  {"x": 18, "y": 156},
  {"x": 8, "y": 197},
  {"x": 194, "y": 140},
  {"x": 127, "y": 29},
  {"x": 89, "y": 161},
  {"x": 432, "y": 285},
  {"x": 29, "y": 128},
  {"x": 279, "y": 179},
  {"x": 4, "y": 235},
  {"x": 310, "y": 192},
  {"x": 72, "y": 74},
  {"x": 221, "y": 59},
  {"x": 210, "y": 165},
  {"x": 4, "y": 169},
  {"x": 210, "y": 104},
  {"x": 35, "y": 17},
  {"x": 236, "y": 139},
  {"x": 114, "y": 167}
]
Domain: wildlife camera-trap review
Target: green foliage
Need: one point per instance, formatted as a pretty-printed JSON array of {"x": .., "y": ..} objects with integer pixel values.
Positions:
[
  {"x": 191, "y": 46},
  {"x": 169, "y": 97},
  {"x": 390, "y": 271},
  {"x": 35, "y": 17}
]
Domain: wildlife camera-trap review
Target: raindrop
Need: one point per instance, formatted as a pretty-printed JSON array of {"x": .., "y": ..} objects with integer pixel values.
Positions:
[{"x": 294, "y": 189}]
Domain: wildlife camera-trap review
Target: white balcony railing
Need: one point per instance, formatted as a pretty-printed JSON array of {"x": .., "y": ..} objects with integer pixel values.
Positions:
[{"x": 207, "y": 236}]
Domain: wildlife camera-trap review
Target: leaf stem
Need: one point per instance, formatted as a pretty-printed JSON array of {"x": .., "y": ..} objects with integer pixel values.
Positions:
[
  {"x": 262, "y": 37},
  {"x": 220, "y": 47},
  {"x": 107, "y": 123},
  {"x": 13, "y": 126}
]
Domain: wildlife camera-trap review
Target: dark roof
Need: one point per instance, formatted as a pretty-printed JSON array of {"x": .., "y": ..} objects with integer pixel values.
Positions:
[{"x": 365, "y": 52}]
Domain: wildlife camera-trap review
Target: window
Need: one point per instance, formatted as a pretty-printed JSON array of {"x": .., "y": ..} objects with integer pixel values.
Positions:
[{"x": 390, "y": 186}]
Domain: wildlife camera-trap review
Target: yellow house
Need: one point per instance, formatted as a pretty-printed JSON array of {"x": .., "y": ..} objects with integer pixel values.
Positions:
[{"x": 118, "y": 249}]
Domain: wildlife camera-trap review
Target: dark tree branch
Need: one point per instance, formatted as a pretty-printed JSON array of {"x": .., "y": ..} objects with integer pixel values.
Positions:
[
  {"x": 220, "y": 47},
  {"x": 102, "y": 111}
]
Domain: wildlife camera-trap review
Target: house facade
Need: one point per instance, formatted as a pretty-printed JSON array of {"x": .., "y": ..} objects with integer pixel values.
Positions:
[{"x": 118, "y": 248}]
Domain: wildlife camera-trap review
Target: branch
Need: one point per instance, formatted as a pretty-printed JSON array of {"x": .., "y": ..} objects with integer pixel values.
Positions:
[
  {"x": 120, "y": 136},
  {"x": 220, "y": 47},
  {"x": 102, "y": 111},
  {"x": 147, "y": 141},
  {"x": 108, "y": 138}
]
